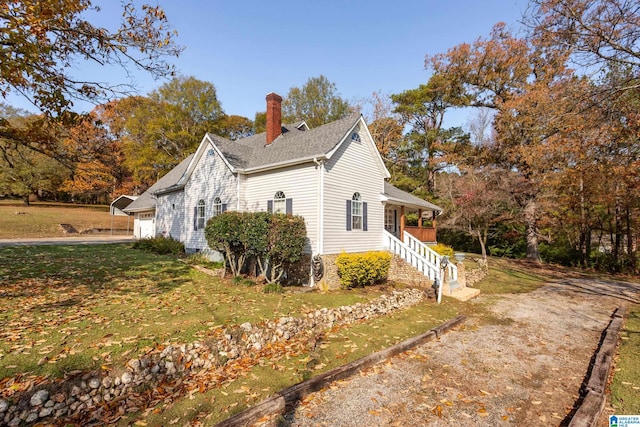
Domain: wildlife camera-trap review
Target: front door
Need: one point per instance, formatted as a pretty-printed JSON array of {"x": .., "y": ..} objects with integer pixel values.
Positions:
[{"x": 390, "y": 221}]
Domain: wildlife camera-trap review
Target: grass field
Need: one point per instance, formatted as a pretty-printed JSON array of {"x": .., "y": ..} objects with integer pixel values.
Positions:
[{"x": 44, "y": 219}]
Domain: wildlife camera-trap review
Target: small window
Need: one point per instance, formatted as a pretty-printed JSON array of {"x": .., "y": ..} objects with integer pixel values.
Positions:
[
  {"x": 279, "y": 203},
  {"x": 356, "y": 212},
  {"x": 200, "y": 215},
  {"x": 211, "y": 152},
  {"x": 217, "y": 206},
  {"x": 355, "y": 137}
]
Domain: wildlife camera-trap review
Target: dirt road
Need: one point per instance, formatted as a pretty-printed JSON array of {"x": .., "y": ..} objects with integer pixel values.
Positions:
[{"x": 521, "y": 364}]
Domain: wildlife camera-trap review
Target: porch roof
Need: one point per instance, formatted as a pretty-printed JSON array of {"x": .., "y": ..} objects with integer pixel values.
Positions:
[{"x": 397, "y": 196}]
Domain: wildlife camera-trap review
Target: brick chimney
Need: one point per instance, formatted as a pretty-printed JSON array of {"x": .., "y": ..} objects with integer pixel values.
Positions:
[{"x": 274, "y": 116}]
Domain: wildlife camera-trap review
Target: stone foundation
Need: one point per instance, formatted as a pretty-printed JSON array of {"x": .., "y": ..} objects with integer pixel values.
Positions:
[{"x": 402, "y": 272}]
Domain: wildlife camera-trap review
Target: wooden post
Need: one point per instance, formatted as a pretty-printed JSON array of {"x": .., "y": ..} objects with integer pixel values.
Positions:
[{"x": 419, "y": 218}]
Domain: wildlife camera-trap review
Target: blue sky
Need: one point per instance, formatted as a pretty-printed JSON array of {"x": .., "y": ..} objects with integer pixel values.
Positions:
[{"x": 250, "y": 48}]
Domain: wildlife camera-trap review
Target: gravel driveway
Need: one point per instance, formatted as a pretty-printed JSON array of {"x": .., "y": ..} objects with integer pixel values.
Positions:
[{"x": 523, "y": 364}]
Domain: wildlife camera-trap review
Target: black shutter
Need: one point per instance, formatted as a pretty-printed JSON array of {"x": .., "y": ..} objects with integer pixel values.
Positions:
[
  {"x": 395, "y": 221},
  {"x": 270, "y": 206},
  {"x": 364, "y": 216},
  {"x": 348, "y": 215},
  {"x": 195, "y": 218},
  {"x": 224, "y": 208},
  {"x": 289, "y": 206}
]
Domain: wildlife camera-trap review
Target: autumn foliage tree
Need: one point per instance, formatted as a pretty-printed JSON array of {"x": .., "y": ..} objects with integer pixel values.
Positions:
[
  {"x": 43, "y": 41},
  {"x": 515, "y": 77},
  {"x": 160, "y": 130}
]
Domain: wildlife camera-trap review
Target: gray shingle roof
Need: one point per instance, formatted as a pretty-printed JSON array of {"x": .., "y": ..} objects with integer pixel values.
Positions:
[
  {"x": 293, "y": 143},
  {"x": 146, "y": 201},
  {"x": 398, "y": 195}
]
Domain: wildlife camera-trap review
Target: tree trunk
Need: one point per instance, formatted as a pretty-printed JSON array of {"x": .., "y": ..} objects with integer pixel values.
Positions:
[
  {"x": 25, "y": 200},
  {"x": 531, "y": 222},
  {"x": 483, "y": 245}
]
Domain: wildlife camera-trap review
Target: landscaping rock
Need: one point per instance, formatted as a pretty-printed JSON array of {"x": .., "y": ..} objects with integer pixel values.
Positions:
[
  {"x": 39, "y": 398},
  {"x": 174, "y": 362},
  {"x": 126, "y": 378}
]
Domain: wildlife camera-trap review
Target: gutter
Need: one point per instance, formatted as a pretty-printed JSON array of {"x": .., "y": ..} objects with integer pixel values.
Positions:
[{"x": 279, "y": 165}]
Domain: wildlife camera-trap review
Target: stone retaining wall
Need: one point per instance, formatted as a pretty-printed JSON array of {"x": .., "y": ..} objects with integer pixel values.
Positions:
[{"x": 86, "y": 396}]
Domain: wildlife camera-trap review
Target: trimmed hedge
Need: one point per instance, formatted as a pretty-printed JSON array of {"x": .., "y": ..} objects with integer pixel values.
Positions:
[
  {"x": 443, "y": 249},
  {"x": 275, "y": 241},
  {"x": 362, "y": 269},
  {"x": 160, "y": 245}
]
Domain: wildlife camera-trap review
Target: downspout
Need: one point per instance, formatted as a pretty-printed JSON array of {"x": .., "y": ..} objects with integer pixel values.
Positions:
[
  {"x": 238, "y": 192},
  {"x": 320, "y": 230}
]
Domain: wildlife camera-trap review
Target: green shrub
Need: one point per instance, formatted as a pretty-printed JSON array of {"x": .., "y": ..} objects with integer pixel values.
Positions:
[
  {"x": 275, "y": 241},
  {"x": 443, "y": 250},
  {"x": 362, "y": 269},
  {"x": 272, "y": 288},
  {"x": 160, "y": 245}
]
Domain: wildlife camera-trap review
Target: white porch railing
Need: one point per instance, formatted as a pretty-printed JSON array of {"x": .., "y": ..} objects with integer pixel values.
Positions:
[
  {"x": 431, "y": 256},
  {"x": 417, "y": 261}
]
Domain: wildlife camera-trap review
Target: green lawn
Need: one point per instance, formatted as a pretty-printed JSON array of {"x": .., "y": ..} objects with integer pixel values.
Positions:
[
  {"x": 44, "y": 219},
  {"x": 625, "y": 387},
  {"x": 83, "y": 307}
]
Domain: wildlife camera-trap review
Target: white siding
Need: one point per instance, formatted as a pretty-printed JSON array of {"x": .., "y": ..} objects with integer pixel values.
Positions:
[
  {"x": 353, "y": 168},
  {"x": 211, "y": 178},
  {"x": 299, "y": 183},
  {"x": 170, "y": 219}
]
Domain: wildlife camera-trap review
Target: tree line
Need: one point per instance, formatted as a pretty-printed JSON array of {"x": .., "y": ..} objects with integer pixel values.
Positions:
[{"x": 547, "y": 168}]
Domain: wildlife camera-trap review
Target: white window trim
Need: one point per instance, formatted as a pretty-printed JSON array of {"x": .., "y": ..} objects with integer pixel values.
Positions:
[
  {"x": 279, "y": 203},
  {"x": 356, "y": 206},
  {"x": 201, "y": 214}
]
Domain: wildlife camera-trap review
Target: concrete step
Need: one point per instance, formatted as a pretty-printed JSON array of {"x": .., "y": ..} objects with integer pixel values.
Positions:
[{"x": 464, "y": 294}]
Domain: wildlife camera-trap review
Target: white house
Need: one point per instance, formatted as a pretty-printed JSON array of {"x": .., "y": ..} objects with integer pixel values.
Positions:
[{"x": 332, "y": 175}]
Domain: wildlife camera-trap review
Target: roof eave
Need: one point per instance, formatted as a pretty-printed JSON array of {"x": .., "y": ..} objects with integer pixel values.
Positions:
[
  {"x": 283, "y": 164},
  {"x": 142, "y": 209},
  {"x": 167, "y": 190},
  {"x": 425, "y": 206}
]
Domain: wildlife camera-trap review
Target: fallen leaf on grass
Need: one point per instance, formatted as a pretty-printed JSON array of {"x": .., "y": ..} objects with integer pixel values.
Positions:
[{"x": 437, "y": 411}]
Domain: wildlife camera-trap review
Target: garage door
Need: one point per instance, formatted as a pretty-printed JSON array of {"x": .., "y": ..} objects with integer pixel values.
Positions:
[{"x": 146, "y": 226}]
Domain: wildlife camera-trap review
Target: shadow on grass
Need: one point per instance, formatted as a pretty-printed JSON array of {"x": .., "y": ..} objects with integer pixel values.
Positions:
[{"x": 95, "y": 267}]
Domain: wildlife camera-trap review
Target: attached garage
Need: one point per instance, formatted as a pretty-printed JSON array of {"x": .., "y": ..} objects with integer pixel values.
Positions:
[{"x": 145, "y": 225}]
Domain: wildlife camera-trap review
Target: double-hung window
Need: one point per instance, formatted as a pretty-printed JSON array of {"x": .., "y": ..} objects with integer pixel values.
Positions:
[
  {"x": 199, "y": 215},
  {"x": 217, "y": 206},
  {"x": 356, "y": 213},
  {"x": 280, "y": 204}
]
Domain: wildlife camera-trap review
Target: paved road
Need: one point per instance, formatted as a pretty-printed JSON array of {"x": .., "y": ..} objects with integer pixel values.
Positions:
[{"x": 79, "y": 239}]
